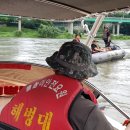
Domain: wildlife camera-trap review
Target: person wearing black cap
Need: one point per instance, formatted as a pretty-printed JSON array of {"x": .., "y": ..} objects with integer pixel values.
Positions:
[
  {"x": 75, "y": 61},
  {"x": 59, "y": 101}
]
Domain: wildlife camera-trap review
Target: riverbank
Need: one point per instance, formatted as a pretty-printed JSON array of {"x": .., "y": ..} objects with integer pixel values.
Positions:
[
  {"x": 12, "y": 32},
  {"x": 27, "y": 33},
  {"x": 33, "y": 33}
]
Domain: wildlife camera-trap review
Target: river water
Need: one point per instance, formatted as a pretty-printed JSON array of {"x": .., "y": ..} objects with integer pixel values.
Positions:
[{"x": 113, "y": 78}]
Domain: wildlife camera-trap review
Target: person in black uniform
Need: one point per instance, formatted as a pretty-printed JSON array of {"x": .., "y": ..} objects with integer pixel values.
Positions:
[{"x": 107, "y": 37}]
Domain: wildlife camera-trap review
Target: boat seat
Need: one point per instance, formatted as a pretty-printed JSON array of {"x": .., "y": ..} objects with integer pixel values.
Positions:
[
  {"x": 10, "y": 90},
  {"x": 1, "y": 90},
  {"x": 20, "y": 87}
]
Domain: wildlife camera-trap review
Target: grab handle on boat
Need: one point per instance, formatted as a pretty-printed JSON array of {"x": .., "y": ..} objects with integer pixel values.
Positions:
[{"x": 108, "y": 100}]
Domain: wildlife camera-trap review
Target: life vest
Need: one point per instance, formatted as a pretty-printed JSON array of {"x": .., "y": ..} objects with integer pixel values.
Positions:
[{"x": 43, "y": 104}]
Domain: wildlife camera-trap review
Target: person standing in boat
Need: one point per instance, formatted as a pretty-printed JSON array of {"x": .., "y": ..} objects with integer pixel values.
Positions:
[
  {"x": 59, "y": 101},
  {"x": 77, "y": 38},
  {"x": 107, "y": 37}
]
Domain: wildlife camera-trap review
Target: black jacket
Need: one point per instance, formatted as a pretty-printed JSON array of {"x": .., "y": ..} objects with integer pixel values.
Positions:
[{"x": 85, "y": 115}]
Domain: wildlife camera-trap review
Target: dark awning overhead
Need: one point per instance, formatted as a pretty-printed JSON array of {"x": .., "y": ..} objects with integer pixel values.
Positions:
[{"x": 59, "y": 9}]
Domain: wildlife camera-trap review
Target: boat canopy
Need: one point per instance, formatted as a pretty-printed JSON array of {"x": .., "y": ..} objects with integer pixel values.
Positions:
[{"x": 59, "y": 9}]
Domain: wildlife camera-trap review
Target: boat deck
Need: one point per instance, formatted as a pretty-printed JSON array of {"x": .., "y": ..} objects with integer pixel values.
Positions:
[
  {"x": 4, "y": 100},
  {"x": 12, "y": 79},
  {"x": 6, "y": 83}
]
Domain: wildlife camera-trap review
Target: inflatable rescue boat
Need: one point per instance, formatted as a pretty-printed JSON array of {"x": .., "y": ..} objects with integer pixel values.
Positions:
[{"x": 108, "y": 56}]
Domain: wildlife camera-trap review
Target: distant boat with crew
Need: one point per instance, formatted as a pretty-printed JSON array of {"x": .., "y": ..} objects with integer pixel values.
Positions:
[{"x": 112, "y": 55}]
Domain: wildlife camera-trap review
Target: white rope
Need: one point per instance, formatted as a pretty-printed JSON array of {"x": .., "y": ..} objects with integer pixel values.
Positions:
[{"x": 85, "y": 27}]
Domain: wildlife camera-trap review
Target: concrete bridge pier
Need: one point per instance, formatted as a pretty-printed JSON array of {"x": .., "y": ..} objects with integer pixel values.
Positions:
[
  {"x": 70, "y": 27},
  {"x": 118, "y": 29},
  {"x": 19, "y": 23},
  {"x": 114, "y": 29}
]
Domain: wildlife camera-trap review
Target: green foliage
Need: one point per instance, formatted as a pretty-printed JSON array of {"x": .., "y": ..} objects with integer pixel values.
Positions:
[
  {"x": 34, "y": 23},
  {"x": 99, "y": 35},
  {"x": 48, "y": 23},
  {"x": 121, "y": 37},
  {"x": 48, "y": 31},
  {"x": 76, "y": 31},
  {"x": 7, "y": 29},
  {"x": 11, "y": 21},
  {"x": 125, "y": 29},
  {"x": 3, "y": 20},
  {"x": 119, "y": 14},
  {"x": 65, "y": 35},
  {"x": 18, "y": 33},
  {"x": 28, "y": 23},
  {"x": 31, "y": 33},
  {"x": 62, "y": 29},
  {"x": 7, "y": 20},
  {"x": 12, "y": 32}
]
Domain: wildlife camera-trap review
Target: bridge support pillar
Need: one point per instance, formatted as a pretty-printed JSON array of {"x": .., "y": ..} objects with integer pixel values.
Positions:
[
  {"x": 118, "y": 29},
  {"x": 70, "y": 27},
  {"x": 114, "y": 29},
  {"x": 19, "y": 24}
]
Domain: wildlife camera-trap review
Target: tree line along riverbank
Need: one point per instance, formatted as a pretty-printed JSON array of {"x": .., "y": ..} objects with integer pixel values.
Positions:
[
  {"x": 35, "y": 33},
  {"x": 36, "y": 28}
]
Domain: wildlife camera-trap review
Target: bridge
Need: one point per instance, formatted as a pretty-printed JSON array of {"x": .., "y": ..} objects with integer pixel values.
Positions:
[
  {"x": 111, "y": 20},
  {"x": 115, "y": 21},
  {"x": 18, "y": 18}
]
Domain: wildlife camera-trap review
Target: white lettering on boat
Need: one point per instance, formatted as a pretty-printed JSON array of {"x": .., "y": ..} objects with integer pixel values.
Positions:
[{"x": 51, "y": 84}]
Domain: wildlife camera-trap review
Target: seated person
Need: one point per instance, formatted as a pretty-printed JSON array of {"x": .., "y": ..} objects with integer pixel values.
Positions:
[{"x": 96, "y": 48}]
